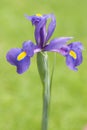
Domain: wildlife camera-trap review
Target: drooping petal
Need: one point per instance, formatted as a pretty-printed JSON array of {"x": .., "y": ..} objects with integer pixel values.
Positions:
[
  {"x": 76, "y": 45},
  {"x": 73, "y": 63},
  {"x": 56, "y": 44},
  {"x": 12, "y": 55},
  {"x": 51, "y": 27},
  {"x": 77, "y": 48},
  {"x": 79, "y": 57},
  {"x": 18, "y": 58},
  {"x": 74, "y": 57},
  {"x": 23, "y": 65},
  {"x": 70, "y": 62},
  {"x": 29, "y": 47}
]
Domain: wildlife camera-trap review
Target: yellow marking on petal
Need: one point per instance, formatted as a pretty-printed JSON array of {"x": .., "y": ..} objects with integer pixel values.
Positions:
[
  {"x": 39, "y": 15},
  {"x": 73, "y": 54},
  {"x": 21, "y": 56}
]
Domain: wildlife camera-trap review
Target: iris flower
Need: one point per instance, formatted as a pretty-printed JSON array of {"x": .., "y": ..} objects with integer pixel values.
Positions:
[{"x": 20, "y": 57}]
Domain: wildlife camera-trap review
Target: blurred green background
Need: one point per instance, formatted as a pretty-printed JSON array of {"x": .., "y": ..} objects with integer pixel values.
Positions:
[{"x": 21, "y": 95}]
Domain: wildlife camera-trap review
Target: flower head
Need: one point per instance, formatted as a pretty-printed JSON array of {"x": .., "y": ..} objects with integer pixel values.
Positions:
[
  {"x": 21, "y": 57},
  {"x": 42, "y": 35}
]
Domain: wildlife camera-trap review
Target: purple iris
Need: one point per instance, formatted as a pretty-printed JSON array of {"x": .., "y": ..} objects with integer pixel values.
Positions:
[{"x": 21, "y": 57}]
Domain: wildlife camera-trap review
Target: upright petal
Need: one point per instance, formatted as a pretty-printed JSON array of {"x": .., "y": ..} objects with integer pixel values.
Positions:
[
  {"x": 40, "y": 27},
  {"x": 35, "y": 19},
  {"x": 56, "y": 44},
  {"x": 40, "y": 32},
  {"x": 51, "y": 27}
]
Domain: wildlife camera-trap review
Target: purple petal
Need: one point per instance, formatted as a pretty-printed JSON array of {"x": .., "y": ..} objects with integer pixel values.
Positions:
[
  {"x": 29, "y": 47},
  {"x": 51, "y": 26},
  {"x": 40, "y": 27},
  {"x": 74, "y": 59},
  {"x": 37, "y": 49},
  {"x": 76, "y": 45},
  {"x": 40, "y": 32},
  {"x": 12, "y": 55},
  {"x": 77, "y": 48},
  {"x": 23, "y": 65},
  {"x": 70, "y": 62},
  {"x": 41, "y": 36},
  {"x": 56, "y": 44},
  {"x": 79, "y": 57},
  {"x": 34, "y": 19}
]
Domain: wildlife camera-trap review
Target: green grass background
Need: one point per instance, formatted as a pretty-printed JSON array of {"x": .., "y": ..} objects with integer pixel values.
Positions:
[{"x": 21, "y": 95}]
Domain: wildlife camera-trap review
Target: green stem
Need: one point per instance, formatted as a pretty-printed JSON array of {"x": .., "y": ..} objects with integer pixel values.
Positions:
[
  {"x": 42, "y": 63},
  {"x": 46, "y": 101}
]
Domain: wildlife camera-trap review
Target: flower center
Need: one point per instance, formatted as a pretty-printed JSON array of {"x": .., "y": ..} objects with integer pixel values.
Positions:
[
  {"x": 39, "y": 15},
  {"x": 21, "y": 56},
  {"x": 73, "y": 54}
]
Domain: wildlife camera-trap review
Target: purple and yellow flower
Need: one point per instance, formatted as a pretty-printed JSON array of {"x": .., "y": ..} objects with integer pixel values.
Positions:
[{"x": 21, "y": 57}]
